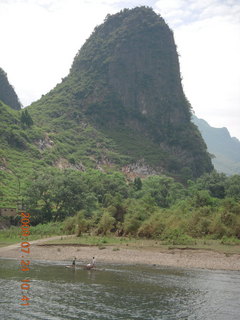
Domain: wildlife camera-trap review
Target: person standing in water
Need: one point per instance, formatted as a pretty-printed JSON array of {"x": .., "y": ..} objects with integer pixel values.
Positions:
[
  {"x": 91, "y": 265},
  {"x": 74, "y": 262}
]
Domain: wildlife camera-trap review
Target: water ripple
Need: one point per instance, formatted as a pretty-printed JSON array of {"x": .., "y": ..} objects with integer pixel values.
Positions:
[{"x": 119, "y": 292}]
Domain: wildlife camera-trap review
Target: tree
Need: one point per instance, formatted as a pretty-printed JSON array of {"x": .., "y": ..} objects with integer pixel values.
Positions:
[
  {"x": 233, "y": 187},
  {"x": 26, "y": 119},
  {"x": 137, "y": 183},
  {"x": 214, "y": 182},
  {"x": 202, "y": 198},
  {"x": 164, "y": 190},
  {"x": 40, "y": 196},
  {"x": 102, "y": 184},
  {"x": 55, "y": 195}
]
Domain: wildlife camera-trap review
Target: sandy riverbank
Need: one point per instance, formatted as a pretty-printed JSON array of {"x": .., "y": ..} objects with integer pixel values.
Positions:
[{"x": 175, "y": 257}]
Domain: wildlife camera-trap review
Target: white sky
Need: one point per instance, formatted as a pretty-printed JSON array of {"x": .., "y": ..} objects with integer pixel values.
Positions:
[{"x": 39, "y": 39}]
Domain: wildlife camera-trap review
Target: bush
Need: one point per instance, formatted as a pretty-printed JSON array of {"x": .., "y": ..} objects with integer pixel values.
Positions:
[
  {"x": 218, "y": 229},
  {"x": 152, "y": 227},
  {"x": 228, "y": 219},
  {"x": 105, "y": 224},
  {"x": 198, "y": 226},
  {"x": 131, "y": 224},
  {"x": 77, "y": 224},
  {"x": 82, "y": 224},
  {"x": 177, "y": 237},
  {"x": 70, "y": 225},
  {"x": 202, "y": 198}
]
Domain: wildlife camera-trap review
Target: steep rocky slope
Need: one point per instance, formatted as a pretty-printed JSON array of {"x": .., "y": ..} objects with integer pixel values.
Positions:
[{"x": 123, "y": 104}]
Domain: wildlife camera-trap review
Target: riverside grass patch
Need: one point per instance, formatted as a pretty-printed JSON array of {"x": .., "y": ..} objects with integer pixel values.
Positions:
[{"x": 12, "y": 234}]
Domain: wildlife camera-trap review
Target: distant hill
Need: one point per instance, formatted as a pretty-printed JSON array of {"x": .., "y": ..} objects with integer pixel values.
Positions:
[
  {"x": 7, "y": 93},
  {"x": 225, "y": 148}
]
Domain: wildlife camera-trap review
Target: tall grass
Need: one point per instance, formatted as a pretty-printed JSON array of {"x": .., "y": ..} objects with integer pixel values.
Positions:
[{"x": 13, "y": 234}]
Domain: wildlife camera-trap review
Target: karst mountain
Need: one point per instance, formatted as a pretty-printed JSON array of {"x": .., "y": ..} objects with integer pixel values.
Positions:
[
  {"x": 122, "y": 103},
  {"x": 121, "y": 107}
]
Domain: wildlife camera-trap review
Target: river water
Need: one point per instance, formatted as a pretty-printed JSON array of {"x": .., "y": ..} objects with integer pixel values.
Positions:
[{"x": 118, "y": 292}]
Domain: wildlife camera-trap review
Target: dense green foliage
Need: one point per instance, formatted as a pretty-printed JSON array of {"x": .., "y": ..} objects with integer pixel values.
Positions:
[
  {"x": 7, "y": 93},
  {"x": 155, "y": 207}
]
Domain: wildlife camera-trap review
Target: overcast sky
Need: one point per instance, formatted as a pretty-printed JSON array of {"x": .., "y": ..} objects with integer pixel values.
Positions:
[{"x": 39, "y": 39}]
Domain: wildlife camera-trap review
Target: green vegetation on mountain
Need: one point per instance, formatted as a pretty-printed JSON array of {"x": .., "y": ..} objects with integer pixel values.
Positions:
[
  {"x": 7, "y": 93},
  {"x": 19, "y": 154}
]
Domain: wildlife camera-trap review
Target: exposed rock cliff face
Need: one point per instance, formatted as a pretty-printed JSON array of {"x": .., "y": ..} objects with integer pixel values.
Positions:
[
  {"x": 125, "y": 82},
  {"x": 138, "y": 169},
  {"x": 7, "y": 93}
]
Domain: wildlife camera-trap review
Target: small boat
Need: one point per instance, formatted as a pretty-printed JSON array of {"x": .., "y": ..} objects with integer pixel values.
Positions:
[
  {"x": 90, "y": 266},
  {"x": 70, "y": 267}
]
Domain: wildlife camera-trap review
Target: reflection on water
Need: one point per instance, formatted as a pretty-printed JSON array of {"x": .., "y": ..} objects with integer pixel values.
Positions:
[{"x": 119, "y": 292}]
